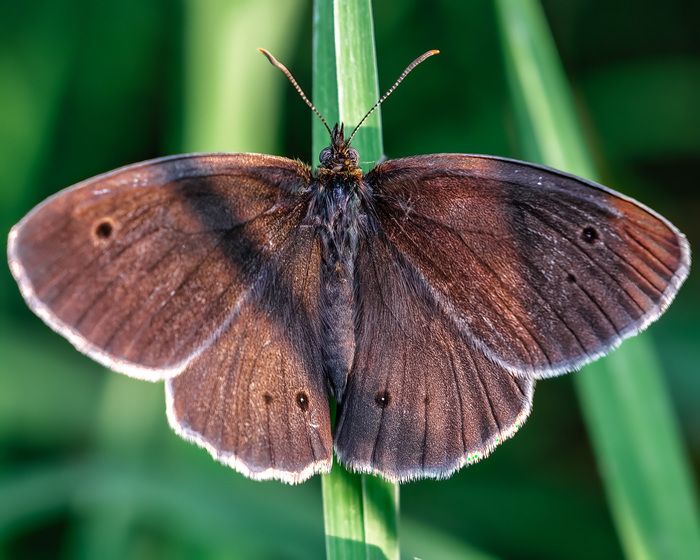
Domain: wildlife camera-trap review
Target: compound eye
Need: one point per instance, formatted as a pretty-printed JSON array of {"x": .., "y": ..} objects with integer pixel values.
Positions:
[
  {"x": 353, "y": 155},
  {"x": 325, "y": 156}
]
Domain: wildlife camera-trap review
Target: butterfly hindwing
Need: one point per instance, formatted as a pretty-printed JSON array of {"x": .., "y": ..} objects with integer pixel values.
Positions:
[
  {"x": 256, "y": 398},
  {"x": 541, "y": 270},
  {"x": 420, "y": 400}
]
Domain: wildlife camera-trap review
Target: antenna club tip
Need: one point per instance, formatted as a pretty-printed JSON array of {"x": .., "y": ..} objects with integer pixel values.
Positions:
[
  {"x": 267, "y": 54},
  {"x": 434, "y": 51}
]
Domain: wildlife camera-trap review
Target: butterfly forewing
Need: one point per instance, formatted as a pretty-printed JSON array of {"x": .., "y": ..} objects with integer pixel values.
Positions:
[
  {"x": 541, "y": 270},
  {"x": 140, "y": 267},
  {"x": 420, "y": 401}
]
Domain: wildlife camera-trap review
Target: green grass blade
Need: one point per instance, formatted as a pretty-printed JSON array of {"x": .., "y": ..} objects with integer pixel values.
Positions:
[
  {"x": 356, "y": 71},
  {"x": 360, "y": 512},
  {"x": 381, "y": 509},
  {"x": 343, "y": 514},
  {"x": 637, "y": 444},
  {"x": 325, "y": 82}
]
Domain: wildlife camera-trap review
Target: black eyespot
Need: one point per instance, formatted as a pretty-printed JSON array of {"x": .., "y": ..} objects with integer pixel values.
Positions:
[
  {"x": 267, "y": 397},
  {"x": 104, "y": 229},
  {"x": 302, "y": 401},
  {"x": 571, "y": 278},
  {"x": 589, "y": 234},
  {"x": 382, "y": 399}
]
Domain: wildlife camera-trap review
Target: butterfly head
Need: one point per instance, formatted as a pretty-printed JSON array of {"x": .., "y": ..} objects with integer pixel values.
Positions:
[{"x": 339, "y": 156}]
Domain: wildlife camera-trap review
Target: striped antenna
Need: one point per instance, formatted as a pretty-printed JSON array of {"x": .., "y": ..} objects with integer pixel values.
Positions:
[
  {"x": 277, "y": 64},
  {"x": 405, "y": 73}
]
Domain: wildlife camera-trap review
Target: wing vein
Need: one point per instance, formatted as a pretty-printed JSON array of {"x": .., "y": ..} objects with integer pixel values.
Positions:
[
  {"x": 195, "y": 270},
  {"x": 503, "y": 306},
  {"x": 492, "y": 303},
  {"x": 650, "y": 252},
  {"x": 600, "y": 309},
  {"x": 459, "y": 397},
  {"x": 533, "y": 212},
  {"x": 639, "y": 273}
]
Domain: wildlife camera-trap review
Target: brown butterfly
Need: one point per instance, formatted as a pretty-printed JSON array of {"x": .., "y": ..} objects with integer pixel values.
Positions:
[{"x": 425, "y": 296}]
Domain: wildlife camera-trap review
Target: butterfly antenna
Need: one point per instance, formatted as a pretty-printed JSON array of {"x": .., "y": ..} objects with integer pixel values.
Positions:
[
  {"x": 405, "y": 73},
  {"x": 277, "y": 64}
]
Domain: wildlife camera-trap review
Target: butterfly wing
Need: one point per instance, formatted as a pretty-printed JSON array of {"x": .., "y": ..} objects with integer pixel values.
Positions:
[
  {"x": 420, "y": 401},
  {"x": 541, "y": 270},
  {"x": 139, "y": 268},
  {"x": 197, "y": 265},
  {"x": 256, "y": 398}
]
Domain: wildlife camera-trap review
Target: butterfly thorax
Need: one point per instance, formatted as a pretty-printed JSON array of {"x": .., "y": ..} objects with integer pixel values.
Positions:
[{"x": 336, "y": 206}]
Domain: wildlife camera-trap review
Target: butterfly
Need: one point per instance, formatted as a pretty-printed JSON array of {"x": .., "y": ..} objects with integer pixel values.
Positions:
[{"x": 426, "y": 296}]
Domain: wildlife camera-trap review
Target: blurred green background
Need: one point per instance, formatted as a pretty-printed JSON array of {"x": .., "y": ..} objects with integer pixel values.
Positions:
[{"x": 88, "y": 466}]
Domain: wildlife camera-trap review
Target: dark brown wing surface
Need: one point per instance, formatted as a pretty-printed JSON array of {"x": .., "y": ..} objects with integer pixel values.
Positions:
[
  {"x": 541, "y": 270},
  {"x": 196, "y": 265},
  {"x": 140, "y": 268},
  {"x": 420, "y": 401},
  {"x": 256, "y": 398}
]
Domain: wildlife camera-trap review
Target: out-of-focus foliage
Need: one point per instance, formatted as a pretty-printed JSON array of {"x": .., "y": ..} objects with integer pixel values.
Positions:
[
  {"x": 88, "y": 467},
  {"x": 624, "y": 400}
]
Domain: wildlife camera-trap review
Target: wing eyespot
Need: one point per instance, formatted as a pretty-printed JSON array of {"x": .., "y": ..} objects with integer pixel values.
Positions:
[
  {"x": 570, "y": 278},
  {"x": 302, "y": 400},
  {"x": 382, "y": 399},
  {"x": 104, "y": 229},
  {"x": 267, "y": 397},
  {"x": 589, "y": 235}
]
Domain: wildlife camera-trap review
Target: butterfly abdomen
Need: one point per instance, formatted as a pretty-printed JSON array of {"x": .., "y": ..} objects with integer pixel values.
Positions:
[{"x": 337, "y": 213}]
